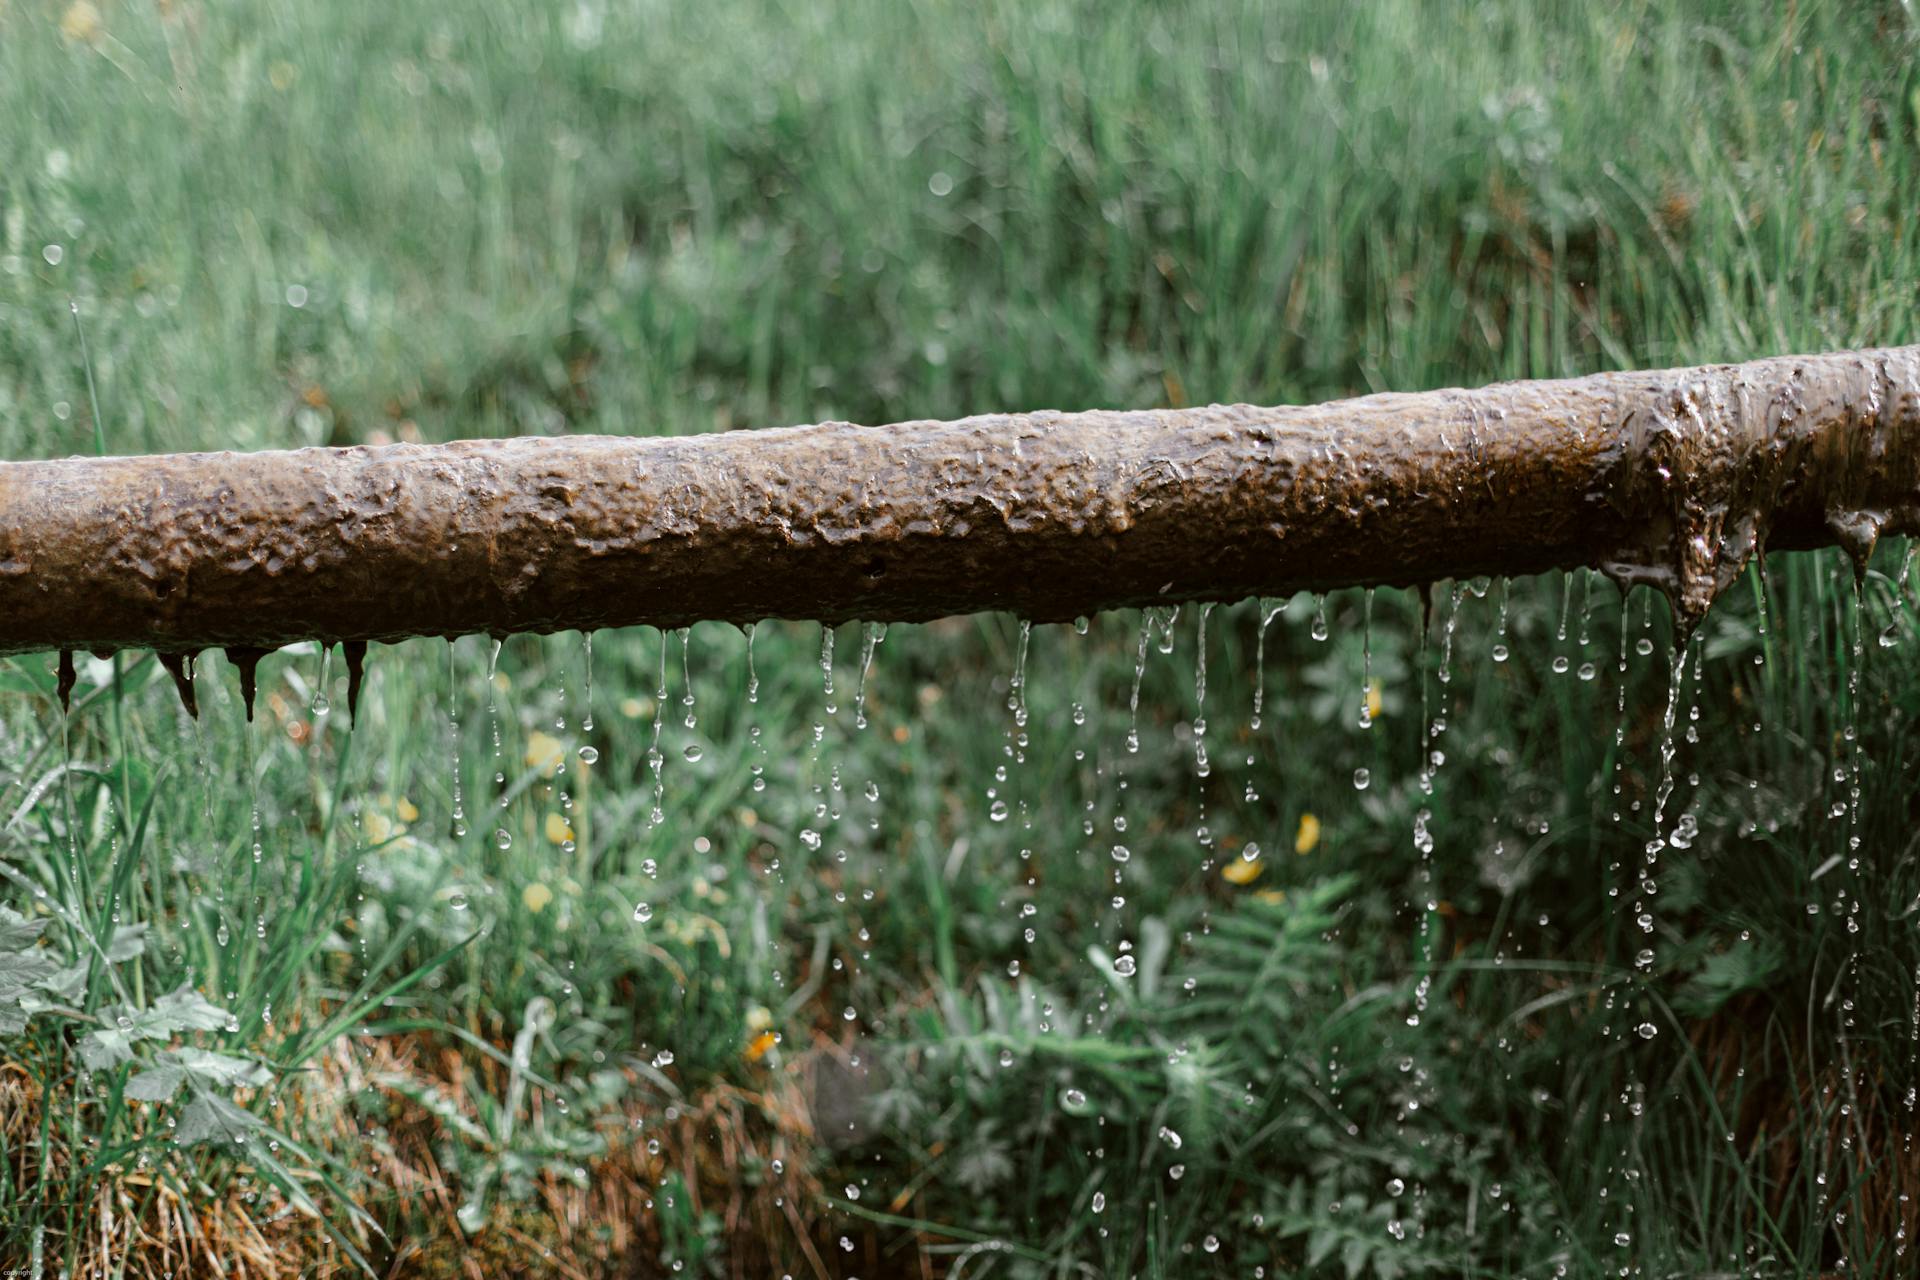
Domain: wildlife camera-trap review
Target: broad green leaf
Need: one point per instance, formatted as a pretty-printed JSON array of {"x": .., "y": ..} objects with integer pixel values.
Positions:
[
  {"x": 187, "y": 1009},
  {"x": 210, "y": 1117},
  {"x": 220, "y": 1068},
  {"x": 156, "y": 1085},
  {"x": 106, "y": 1049},
  {"x": 129, "y": 942},
  {"x": 16, "y": 931}
]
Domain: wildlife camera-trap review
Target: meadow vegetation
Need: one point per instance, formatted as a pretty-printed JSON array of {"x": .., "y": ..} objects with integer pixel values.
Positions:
[{"x": 684, "y": 955}]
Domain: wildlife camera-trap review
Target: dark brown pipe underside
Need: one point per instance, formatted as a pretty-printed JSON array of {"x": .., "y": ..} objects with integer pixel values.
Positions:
[{"x": 1672, "y": 478}]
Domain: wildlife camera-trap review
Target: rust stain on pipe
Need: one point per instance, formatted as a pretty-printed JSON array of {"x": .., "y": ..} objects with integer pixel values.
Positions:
[{"x": 1674, "y": 478}]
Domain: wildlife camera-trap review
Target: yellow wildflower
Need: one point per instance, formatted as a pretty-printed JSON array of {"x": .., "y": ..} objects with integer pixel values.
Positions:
[
  {"x": 559, "y": 830},
  {"x": 536, "y": 896},
  {"x": 545, "y": 753},
  {"x": 1242, "y": 870},
  {"x": 633, "y": 708},
  {"x": 404, "y": 809},
  {"x": 1308, "y": 835},
  {"x": 376, "y": 824},
  {"x": 759, "y": 1018},
  {"x": 758, "y": 1047},
  {"x": 1373, "y": 700}
]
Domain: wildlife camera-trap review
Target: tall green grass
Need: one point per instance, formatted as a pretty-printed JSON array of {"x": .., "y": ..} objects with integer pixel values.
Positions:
[{"x": 330, "y": 224}]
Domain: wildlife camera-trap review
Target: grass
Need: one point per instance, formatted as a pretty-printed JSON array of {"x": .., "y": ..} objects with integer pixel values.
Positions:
[{"x": 289, "y": 1003}]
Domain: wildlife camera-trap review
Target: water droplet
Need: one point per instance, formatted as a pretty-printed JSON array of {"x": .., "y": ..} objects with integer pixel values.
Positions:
[
  {"x": 53, "y": 253},
  {"x": 589, "y": 754},
  {"x": 998, "y": 811},
  {"x": 693, "y": 751},
  {"x": 1124, "y": 966},
  {"x": 1647, "y": 1030},
  {"x": 1074, "y": 1098},
  {"x": 503, "y": 838},
  {"x": 642, "y": 912},
  {"x": 1362, "y": 778}
]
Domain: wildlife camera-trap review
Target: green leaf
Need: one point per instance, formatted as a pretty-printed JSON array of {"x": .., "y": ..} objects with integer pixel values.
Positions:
[
  {"x": 22, "y": 970},
  {"x": 17, "y": 932},
  {"x": 156, "y": 1085},
  {"x": 211, "y": 1118},
  {"x": 187, "y": 1009},
  {"x": 107, "y": 1048},
  {"x": 64, "y": 985},
  {"x": 129, "y": 942},
  {"x": 220, "y": 1068},
  {"x": 1725, "y": 975}
]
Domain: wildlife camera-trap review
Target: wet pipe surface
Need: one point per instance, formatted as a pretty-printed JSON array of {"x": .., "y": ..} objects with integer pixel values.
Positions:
[{"x": 1671, "y": 478}]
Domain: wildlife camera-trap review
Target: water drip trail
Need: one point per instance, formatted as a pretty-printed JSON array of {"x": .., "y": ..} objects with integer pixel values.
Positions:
[
  {"x": 1586, "y": 669},
  {"x": 586, "y": 680},
  {"x": 1014, "y": 737},
  {"x": 1432, "y": 724},
  {"x": 1637, "y": 1007},
  {"x": 502, "y": 837},
  {"x": 757, "y": 744},
  {"x": 656, "y": 760},
  {"x": 458, "y": 824},
  {"x": 1366, "y": 663},
  {"x": 1268, "y": 610},
  {"x": 1500, "y": 650},
  {"x": 1139, "y": 673},
  {"x": 1852, "y": 1131},
  {"x": 872, "y": 634},
  {"x": 1119, "y": 853},
  {"x": 320, "y": 703},
  {"x": 694, "y": 750},
  {"x": 1202, "y": 767}
]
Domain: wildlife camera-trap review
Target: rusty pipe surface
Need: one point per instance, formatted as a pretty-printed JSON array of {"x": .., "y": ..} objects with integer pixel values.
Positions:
[{"x": 1673, "y": 478}]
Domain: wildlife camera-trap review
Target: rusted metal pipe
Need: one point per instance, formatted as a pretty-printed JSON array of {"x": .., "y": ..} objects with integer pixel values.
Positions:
[{"x": 1674, "y": 478}]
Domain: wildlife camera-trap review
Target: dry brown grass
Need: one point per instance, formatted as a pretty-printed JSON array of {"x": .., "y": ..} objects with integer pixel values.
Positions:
[{"x": 137, "y": 1222}]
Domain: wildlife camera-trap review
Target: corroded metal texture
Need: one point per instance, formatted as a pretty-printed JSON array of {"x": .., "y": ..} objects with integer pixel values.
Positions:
[{"x": 1673, "y": 478}]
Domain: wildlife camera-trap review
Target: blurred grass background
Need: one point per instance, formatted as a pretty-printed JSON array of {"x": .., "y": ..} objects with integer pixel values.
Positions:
[{"x": 829, "y": 1014}]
